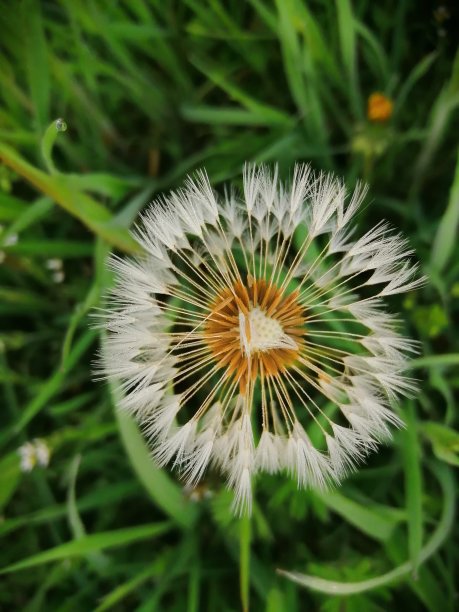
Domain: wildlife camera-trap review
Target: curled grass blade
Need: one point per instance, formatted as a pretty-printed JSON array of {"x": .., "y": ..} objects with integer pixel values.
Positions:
[
  {"x": 446, "y": 522},
  {"x": 47, "y": 143},
  {"x": 96, "y": 558}
]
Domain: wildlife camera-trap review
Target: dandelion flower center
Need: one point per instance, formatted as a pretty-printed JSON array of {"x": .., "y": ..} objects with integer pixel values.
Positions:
[
  {"x": 254, "y": 329},
  {"x": 259, "y": 332}
]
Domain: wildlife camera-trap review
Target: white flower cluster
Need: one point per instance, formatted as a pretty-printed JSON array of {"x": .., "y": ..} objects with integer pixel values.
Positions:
[
  {"x": 244, "y": 314},
  {"x": 33, "y": 453}
]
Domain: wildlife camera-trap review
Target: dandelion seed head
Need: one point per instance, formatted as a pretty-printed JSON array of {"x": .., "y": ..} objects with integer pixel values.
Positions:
[{"x": 230, "y": 333}]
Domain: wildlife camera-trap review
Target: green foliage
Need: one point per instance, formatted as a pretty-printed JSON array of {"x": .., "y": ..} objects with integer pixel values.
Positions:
[
  {"x": 444, "y": 440},
  {"x": 149, "y": 91}
]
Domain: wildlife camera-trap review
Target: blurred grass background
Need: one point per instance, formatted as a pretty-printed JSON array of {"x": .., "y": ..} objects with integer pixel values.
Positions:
[{"x": 149, "y": 91}]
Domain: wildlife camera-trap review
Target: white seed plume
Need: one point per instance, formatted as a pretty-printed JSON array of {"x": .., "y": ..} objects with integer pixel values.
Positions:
[{"x": 226, "y": 340}]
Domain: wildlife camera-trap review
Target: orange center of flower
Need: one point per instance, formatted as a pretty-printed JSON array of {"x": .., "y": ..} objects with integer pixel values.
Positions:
[{"x": 254, "y": 329}]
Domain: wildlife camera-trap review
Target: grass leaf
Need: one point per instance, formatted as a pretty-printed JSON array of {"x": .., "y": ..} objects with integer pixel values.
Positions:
[
  {"x": 161, "y": 488},
  {"x": 370, "y": 520},
  {"x": 413, "y": 486},
  {"x": 244, "y": 561},
  {"x": 95, "y": 216},
  {"x": 90, "y": 544},
  {"x": 446, "y": 237}
]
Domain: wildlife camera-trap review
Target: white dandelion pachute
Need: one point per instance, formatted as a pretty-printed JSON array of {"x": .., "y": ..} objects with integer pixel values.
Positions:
[{"x": 228, "y": 337}]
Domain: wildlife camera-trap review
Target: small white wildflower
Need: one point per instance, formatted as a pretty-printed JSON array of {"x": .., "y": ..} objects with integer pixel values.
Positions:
[
  {"x": 58, "y": 277},
  {"x": 42, "y": 452},
  {"x": 28, "y": 458},
  {"x": 34, "y": 453},
  {"x": 221, "y": 309},
  {"x": 54, "y": 263}
]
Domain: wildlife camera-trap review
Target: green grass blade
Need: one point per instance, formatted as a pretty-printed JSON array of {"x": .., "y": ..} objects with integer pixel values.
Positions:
[
  {"x": 446, "y": 103},
  {"x": 161, "y": 488},
  {"x": 96, "y": 558},
  {"x": 265, "y": 14},
  {"x": 54, "y": 383},
  {"x": 415, "y": 75},
  {"x": 380, "y": 67},
  {"x": 291, "y": 53},
  {"x": 10, "y": 207},
  {"x": 90, "y": 544},
  {"x": 37, "y": 63},
  {"x": 413, "y": 486},
  {"x": 95, "y": 216},
  {"x": 47, "y": 143},
  {"x": 348, "y": 46},
  {"x": 104, "y": 498},
  {"x": 372, "y": 521},
  {"x": 10, "y": 476},
  {"x": 275, "y": 600},
  {"x": 44, "y": 249},
  {"x": 446, "y": 237},
  {"x": 444, "y": 440},
  {"x": 194, "y": 584},
  {"x": 92, "y": 297},
  {"x": 28, "y": 217},
  {"x": 227, "y": 116},
  {"x": 432, "y": 361},
  {"x": 74, "y": 519},
  {"x": 244, "y": 561},
  {"x": 267, "y": 114},
  {"x": 123, "y": 590}
]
